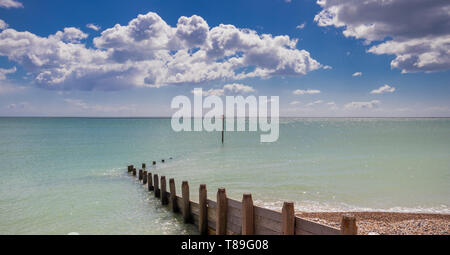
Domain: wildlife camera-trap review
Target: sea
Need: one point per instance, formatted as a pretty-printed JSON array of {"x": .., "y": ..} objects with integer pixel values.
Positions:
[{"x": 69, "y": 175}]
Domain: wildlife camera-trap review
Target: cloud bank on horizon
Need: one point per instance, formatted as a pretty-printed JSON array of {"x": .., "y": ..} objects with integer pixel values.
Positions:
[
  {"x": 417, "y": 32},
  {"x": 149, "y": 52}
]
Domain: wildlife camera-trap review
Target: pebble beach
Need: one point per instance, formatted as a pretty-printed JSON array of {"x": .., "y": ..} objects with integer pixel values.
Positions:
[{"x": 387, "y": 223}]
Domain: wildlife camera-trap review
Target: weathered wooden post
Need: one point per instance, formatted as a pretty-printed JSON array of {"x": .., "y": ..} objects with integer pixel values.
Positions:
[
  {"x": 288, "y": 218},
  {"x": 162, "y": 161},
  {"x": 221, "y": 212},
  {"x": 143, "y": 165},
  {"x": 140, "y": 174},
  {"x": 186, "y": 202},
  {"x": 150, "y": 182},
  {"x": 156, "y": 184},
  {"x": 130, "y": 168},
  {"x": 173, "y": 195},
  {"x": 134, "y": 171},
  {"x": 348, "y": 225},
  {"x": 144, "y": 178},
  {"x": 164, "y": 199},
  {"x": 203, "y": 210},
  {"x": 154, "y": 163},
  {"x": 248, "y": 227}
]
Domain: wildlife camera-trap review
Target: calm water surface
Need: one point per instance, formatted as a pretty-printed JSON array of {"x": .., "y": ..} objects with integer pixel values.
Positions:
[{"x": 61, "y": 175}]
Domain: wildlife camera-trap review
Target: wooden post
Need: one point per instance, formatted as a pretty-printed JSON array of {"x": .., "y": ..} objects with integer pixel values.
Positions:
[
  {"x": 130, "y": 168},
  {"x": 154, "y": 162},
  {"x": 140, "y": 174},
  {"x": 144, "y": 178},
  {"x": 186, "y": 202},
  {"x": 203, "y": 210},
  {"x": 164, "y": 199},
  {"x": 156, "y": 184},
  {"x": 248, "y": 227},
  {"x": 288, "y": 218},
  {"x": 150, "y": 182},
  {"x": 173, "y": 195},
  {"x": 134, "y": 171},
  {"x": 221, "y": 212},
  {"x": 223, "y": 127},
  {"x": 143, "y": 165},
  {"x": 162, "y": 161},
  {"x": 348, "y": 225}
]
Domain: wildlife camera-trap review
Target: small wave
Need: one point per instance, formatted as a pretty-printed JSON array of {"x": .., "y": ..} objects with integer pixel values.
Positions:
[{"x": 311, "y": 206}]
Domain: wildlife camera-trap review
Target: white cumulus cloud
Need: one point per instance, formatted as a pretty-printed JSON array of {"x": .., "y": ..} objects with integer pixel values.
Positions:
[
  {"x": 383, "y": 89},
  {"x": 305, "y": 92},
  {"x": 93, "y": 26},
  {"x": 4, "y": 72},
  {"x": 10, "y": 4},
  {"x": 357, "y": 74},
  {"x": 3, "y": 25},
  {"x": 417, "y": 32},
  {"x": 301, "y": 26},
  {"x": 147, "y": 52},
  {"x": 362, "y": 105},
  {"x": 233, "y": 88},
  {"x": 314, "y": 103}
]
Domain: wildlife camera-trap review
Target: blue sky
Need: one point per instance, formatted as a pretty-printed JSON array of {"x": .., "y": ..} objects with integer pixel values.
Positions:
[{"x": 326, "y": 58}]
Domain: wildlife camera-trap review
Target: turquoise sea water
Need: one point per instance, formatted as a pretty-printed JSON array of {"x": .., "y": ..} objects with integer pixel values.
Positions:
[{"x": 62, "y": 175}]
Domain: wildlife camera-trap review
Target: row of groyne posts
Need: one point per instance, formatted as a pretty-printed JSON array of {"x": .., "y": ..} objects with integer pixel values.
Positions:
[{"x": 226, "y": 216}]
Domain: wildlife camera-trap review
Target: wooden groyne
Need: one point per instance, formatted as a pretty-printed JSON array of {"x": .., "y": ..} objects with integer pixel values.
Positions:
[{"x": 227, "y": 216}]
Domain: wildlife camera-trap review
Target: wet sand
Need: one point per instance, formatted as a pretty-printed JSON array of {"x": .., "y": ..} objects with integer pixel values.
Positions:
[{"x": 387, "y": 223}]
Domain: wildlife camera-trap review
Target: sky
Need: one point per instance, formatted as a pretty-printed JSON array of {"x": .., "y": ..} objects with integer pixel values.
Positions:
[{"x": 326, "y": 58}]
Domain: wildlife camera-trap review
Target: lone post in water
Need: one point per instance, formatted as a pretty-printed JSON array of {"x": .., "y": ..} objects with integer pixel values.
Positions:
[
  {"x": 223, "y": 127},
  {"x": 203, "y": 210},
  {"x": 221, "y": 212},
  {"x": 248, "y": 226},
  {"x": 288, "y": 219},
  {"x": 186, "y": 202}
]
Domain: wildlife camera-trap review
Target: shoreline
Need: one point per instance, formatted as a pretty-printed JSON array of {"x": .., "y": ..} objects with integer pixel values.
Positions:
[{"x": 387, "y": 223}]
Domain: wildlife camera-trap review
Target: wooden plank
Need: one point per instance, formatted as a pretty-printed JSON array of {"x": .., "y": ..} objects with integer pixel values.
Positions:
[
  {"x": 234, "y": 203},
  {"x": 237, "y": 212},
  {"x": 262, "y": 230},
  {"x": 195, "y": 208},
  {"x": 211, "y": 204},
  {"x": 306, "y": 227},
  {"x": 267, "y": 222},
  {"x": 234, "y": 224},
  {"x": 267, "y": 213},
  {"x": 212, "y": 217},
  {"x": 179, "y": 201}
]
